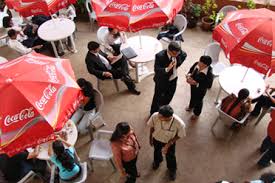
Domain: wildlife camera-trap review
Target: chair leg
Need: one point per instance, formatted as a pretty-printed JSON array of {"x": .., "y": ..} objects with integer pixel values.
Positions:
[
  {"x": 91, "y": 132},
  {"x": 263, "y": 113},
  {"x": 91, "y": 165},
  {"x": 214, "y": 124},
  {"x": 113, "y": 164},
  {"x": 116, "y": 85},
  {"x": 98, "y": 84}
]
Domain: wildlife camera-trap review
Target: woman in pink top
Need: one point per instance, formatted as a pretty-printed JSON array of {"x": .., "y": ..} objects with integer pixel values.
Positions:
[{"x": 125, "y": 149}]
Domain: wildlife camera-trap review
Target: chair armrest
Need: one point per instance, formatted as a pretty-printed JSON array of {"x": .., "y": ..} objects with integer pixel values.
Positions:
[
  {"x": 52, "y": 173},
  {"x": 176, "y": 35},
  {"x": 27, "y": 176}
]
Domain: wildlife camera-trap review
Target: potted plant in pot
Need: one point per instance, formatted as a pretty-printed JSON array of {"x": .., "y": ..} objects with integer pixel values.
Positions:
[
  {"x": 209, "y": 9},
  {"x": 192, "y": 14}
]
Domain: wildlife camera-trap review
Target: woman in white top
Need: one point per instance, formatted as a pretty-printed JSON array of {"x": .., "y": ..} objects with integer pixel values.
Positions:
[{"x": 114, "y": 39}]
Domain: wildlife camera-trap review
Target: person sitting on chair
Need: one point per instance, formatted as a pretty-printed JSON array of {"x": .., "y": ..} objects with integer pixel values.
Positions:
[
  {"x": 264, "y": 101},
  {"x": 113, "y": 40},
  {"x": 64, "y": 159},
  {"x": 237, "y": 107},
  {"x": 104, "y": 66},
  {"x": 89, "y": 106}
]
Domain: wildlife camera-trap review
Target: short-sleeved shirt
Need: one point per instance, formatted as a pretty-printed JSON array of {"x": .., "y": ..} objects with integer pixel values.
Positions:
[
  {"x": 166, "y": 130},
  {"x": 64, "y": 173}
]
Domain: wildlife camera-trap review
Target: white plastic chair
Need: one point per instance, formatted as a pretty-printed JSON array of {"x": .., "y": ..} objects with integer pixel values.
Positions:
[
  {"x": 227, "y": 119},
  {"x": 91, "y": 13},
  {"x": 181, "y": 23},
  {"x": 223, "y": 12},
  {"x": 81, "y": 179},
  {"x": 213, "y": 50},
  {"x": 101, "y": 148},
  {"x": 28, "y": 177},
  {"x": 101, "y": 33},
  {"x": 263, "y": 113}
]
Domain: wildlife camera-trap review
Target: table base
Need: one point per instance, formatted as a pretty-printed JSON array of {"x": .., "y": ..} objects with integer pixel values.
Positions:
[{"x": 142, "y": 72}]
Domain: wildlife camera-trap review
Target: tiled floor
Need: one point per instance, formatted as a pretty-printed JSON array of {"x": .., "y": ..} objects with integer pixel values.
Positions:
[{"x": 200, "y": 156}]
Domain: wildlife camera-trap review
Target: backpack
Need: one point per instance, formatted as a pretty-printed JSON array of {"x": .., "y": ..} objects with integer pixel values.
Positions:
[{"x": 210, "y": 77}]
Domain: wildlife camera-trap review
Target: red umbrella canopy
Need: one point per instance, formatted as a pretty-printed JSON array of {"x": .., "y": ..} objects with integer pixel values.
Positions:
[
  {"x": 38, "y": 95},
  {"x": 247, "y": 37},
  {"x": 37, "y": 7},
  {"x": 135, "y": 15}
]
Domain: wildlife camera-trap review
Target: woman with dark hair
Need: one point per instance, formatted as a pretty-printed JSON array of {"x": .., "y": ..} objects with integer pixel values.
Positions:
[
  {"x": 89, "y": 107},
  {"x": 237, "y": 107},
  {"x": 125, "y": 147},
  {"x": 64, "y": 159},
  {"x": 114, "y": 39}
]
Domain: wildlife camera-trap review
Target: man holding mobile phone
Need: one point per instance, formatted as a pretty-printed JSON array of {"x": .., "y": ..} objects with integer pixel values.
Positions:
[{"x": 166, "y": 64}]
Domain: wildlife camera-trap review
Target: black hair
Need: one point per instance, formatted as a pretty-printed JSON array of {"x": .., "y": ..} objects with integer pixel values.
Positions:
[
  {"x": 86, "y": 87},
  {"x": 92, "y": 46},
  {"x": 122, "y": 128},
  {"x": 173, "y": 46},
  {"x": 243, "y": 94},
  {"x": 268, "y": 177},
  {"x": 6, "y": 22},
  {"x": 207, "y": 60},
  {"x": 166, "y": 111},
  {"x": 110, "y": 29},
  {"x": 63, "y": 155},
  {"x": 11, "y": 33}
]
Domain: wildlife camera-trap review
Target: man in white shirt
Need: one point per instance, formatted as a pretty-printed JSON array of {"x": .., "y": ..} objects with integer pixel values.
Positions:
[
  {"x": 18, "y": 46},
  {"x": 165, "y": 129}
]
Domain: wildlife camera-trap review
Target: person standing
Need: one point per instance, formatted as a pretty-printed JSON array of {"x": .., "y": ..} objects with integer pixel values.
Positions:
[
  {"x": 165, "y": 129},
  {"x": 166, "y": 64},
  {"x": 200, "y": 78},
  {"x": 125, "y": 147},
  {"x": 268, "y": 145}
]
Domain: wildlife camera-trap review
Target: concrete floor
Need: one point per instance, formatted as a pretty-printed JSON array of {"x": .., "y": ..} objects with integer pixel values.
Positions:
[{"x": 201, "y": 157}]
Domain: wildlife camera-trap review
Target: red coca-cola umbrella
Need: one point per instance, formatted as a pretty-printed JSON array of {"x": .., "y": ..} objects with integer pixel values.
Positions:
[
  {"x": 38, "y": 95},
  {"x": 135, "y": 15},
  {"x": 248, "y": 37},
  {"x": 37, "y": 7}
]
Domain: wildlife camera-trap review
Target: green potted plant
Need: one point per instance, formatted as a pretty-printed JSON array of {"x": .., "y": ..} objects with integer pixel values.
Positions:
[
  {"x": 209, "y": 9},
  {"x": 251, "y": 4},
  {"x": 193, "y": 14}
]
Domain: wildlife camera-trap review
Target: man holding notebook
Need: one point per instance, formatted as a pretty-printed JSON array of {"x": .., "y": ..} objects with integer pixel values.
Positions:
[{"x": 104, "y": 66}]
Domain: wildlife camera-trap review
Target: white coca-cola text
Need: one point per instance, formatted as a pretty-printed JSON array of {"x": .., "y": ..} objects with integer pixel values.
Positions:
[
  {"x": 242, "y": 28},
  {"x": 37, "y": 10},
  {"x": 265, "y": 41},
  {"x": 46, "y": 96},
  {"x": 261, "y": 65},
  {"x": 51, "y": 71},
  {"x": 22, "y": 115},
  {"x": 145, "y": 6},
  {"x": 123, "y": 7}
]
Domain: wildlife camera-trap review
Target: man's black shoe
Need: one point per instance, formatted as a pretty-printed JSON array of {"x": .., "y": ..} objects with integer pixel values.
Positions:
[
  {"x": 264, "y": 165},
  {"x": 155, "y": 166},
  {"x": 135, "y": 92},
  {"x": 172, "y": 175}
]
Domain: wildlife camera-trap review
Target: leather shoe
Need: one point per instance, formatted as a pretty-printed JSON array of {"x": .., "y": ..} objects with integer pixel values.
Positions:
[
  {"x": 155, "y": 166},
  {"x": 172, "y": 175},
  {"x": 135, "y": 92}
]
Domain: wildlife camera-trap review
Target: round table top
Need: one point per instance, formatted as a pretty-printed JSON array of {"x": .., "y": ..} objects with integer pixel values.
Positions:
[
  {"x": 56, "y": 29},
  {"x": 72, "y": 134},
  {"x": 3, "y": 60},
  {"x": 231, "y": 81},
  {"x": 146, "y": 51}
]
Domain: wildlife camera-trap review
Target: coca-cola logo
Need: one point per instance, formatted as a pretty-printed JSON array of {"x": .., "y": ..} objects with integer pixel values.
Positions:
[
  {"x": 242, "y": 28},
  {"x": 22, "y": 115},
  {"x": 265, "y": 41},
  {"x": 37, "y": 10},
  {"x": 145, "y": 6},
  {"x": 46, "y": 96},
  {"x": 123, "y": 7},
  {"x": 261, "y": 65},
  {"x": 51, "y": 71}
]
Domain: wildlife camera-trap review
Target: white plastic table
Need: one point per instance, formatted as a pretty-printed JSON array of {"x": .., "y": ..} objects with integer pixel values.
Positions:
[
  {"x": 72, "y": 135},
  {"x": 145, "y": 53},
  {"x": 57, "y": 29},
  {"x": 232, "y": 80}
]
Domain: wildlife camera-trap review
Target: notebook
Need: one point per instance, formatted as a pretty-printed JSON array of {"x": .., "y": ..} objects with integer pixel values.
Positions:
[{"x": 129, "y": 53}]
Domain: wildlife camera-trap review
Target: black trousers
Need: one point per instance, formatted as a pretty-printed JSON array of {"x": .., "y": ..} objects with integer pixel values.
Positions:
[
  {"x": 196, "y": 99},
  {"x": 163, "y": 95},
  {"x": 131, "y": 169},
  {"x": 120, "y": 70},
  {"x": 268, "y": 150},
  {"x": 262, "y": 101},
  {"x": 170, "y": 156}
]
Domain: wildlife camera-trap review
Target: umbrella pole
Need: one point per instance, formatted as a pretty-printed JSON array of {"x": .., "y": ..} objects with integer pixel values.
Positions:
[
  {"x": 140, "y": 43},
  {"x": 245, "y": 74}
]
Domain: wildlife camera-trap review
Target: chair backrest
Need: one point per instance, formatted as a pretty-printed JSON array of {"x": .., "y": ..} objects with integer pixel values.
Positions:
[
  {"x": 101, "y": 33},
  {"x": 103, "y": 134},
  {"x": 180, "y": 22},
  {"x": 227, "y": 118},
  {"x": 223, "y": 12},
  {"x": 213, "y": 50},
  {"x": 83, "y": 176},
  {"x": 99, "y": 101},
  {"x": 88, "y": 6}
]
